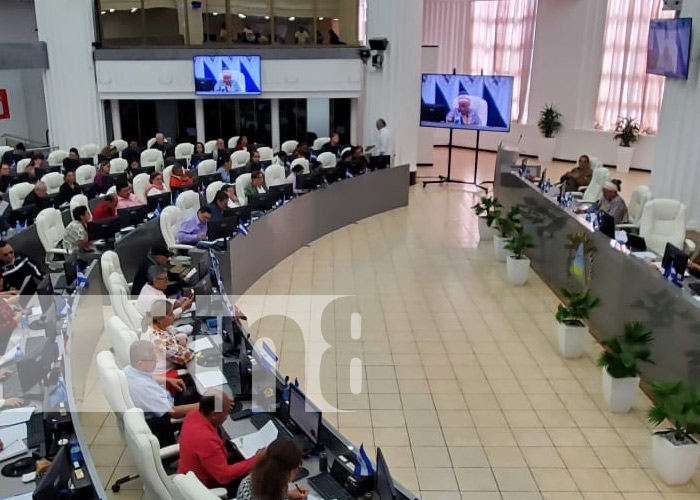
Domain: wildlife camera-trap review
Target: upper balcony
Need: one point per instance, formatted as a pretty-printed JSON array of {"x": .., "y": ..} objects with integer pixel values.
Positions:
[{"x": 220, "y": 24}]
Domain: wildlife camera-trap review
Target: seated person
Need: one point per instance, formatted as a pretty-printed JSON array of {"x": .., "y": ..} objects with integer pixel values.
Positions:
[
  {"x": 155, "y": 290},
  {"x": 103, "y": 181},
  {"x": 218, "y": 206},
  {"x": 160, "y": 144},
  {"x": 69, "y": 188},
  {"x": 171, "y": 344},
  {"x": 156, "y": 185},
  {"x": 32, "y": 173},
  {"x": 75, "y": 239},
  {"x": 106, "y": 209},
  {"x": 358, "y": 156},
  {"x": 274, "y": 470},
  {"x": 125, "y": 198},
  {"x": 228, "y": 84},
  {"x": 15, "y": 268},
  {"x": 5, "y": 177},
  {"x": 224, "y": 169},
  {"x": 159, "y": 255},
  {"x": 178, "y": 177},
  {"x": 204, "y": 452},
  {"x": 158, "y": 405},
  {"x": 39, "y": 198},
  {"x": 230, "y": 191},
  {"x": 292, "y": 178},
  {"x": 254, "y": 163},
  {"x": 194, "y": 229},
  {"x": 464, "y": 113},
  {"x": 74, "y": 154},
  {"x": 220, "y": 144},
  {"x": 242, "y": 143},
  {"x": 612, "y": 203},
  {"x": 8, "y": 157},
  {"x": 333, "y": 146},
  {"x": 579, "y": 176},
  {"x": 257, "y": 185}
]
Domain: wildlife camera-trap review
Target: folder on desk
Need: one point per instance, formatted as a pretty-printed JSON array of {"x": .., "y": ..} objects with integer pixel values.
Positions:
[
  {"x": 16, "y": 416},
  {"x": 16, "y": 448},
  {"x": 249, "y": 444}
]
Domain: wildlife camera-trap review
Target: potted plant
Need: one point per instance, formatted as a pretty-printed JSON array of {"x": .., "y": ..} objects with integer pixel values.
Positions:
[
  {"x": 517, "y": 264},
  {"x": 504, "y": 229},
  {"x": 487, "y": 211},
  {"x": 619, "y": 363},
  {"x": 626, "y": 134},
  {"x": 572, "y": 334},
  {"x": 549, "y": 125},
  {"x": 674, "y": 451}
]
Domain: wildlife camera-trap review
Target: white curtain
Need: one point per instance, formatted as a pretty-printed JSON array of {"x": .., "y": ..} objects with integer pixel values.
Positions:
[
  {"x": 625, "y": 88},
  {"x": 362, "y": 21},
  {"x": 496, "y": 37}
]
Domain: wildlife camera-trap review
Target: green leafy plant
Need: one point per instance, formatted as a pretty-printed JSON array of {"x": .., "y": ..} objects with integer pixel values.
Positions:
[
  {"x": 623, "y": 352},
  {"x": 509, "y": 224},
  {"x": 677, "y": 403},
  {"x": 580, "y": 305},
  {"x": 549, "y": 122},
  {"x": 519, "y": 242},
  {"x": 626, "y": 131},
  {"x": 489, "y": 208}
]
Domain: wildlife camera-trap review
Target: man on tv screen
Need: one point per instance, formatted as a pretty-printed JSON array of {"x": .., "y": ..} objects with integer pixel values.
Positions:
[
  {"x": 227, "y": 83},
  {"x": 463, "y": 113}
]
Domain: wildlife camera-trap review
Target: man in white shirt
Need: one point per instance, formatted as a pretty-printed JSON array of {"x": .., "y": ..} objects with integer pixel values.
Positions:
[
  {"x": 385, "y": 141},
  {"x": 155, "y": 290}
]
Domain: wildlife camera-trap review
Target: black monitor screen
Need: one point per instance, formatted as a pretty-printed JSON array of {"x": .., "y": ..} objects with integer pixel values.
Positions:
[
  {"x": 304, "y": 414},
  {"x": 384, "y": 484},
  {"x": 676, "y": 257},
  {"x": 56, "y": 477}
]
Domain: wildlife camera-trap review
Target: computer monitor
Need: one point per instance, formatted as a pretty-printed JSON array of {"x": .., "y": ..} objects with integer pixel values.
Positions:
[
  {"x": 308, "y": 181},
  {"x": 676, "y": 257},
  {"x": 203, "y": 287},
  {"x": 133, "y": 215},
  {"x": 205, "y": 180},
  {"x": 304, "y": 414},
  {"x": 245, "y": 367},
  {"x": 162, "y": 199},
  {"x": 196, "y": 158},
  {"x": 282, "y": 191},
  {"x": 177, "y": 190},
  {"x": 36, "y": 364},
  {"x": 223, "y": 154},
  {"x": 56, "y": 478},
  {"x": 104, "y": 229},
  {"x": 235, "y": 173},
  {"x": 606, "y": 224},
  {"x": 243, "y": 213},
  {"x": 45, "y": 292},
  {"x": 70, "y": 269},
  {"x": 222, "y": 228},
  {"x": 261, "y": 201},
  {"x": 199, "y": 259},
  {"x": 383, "y": 483}
]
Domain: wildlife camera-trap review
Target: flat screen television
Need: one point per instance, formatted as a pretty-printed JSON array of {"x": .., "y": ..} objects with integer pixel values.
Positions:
[
  {"x": 472, "y": 102},
  {"x": 668, "y": 52},
  {"x": 227, "y": 75}
]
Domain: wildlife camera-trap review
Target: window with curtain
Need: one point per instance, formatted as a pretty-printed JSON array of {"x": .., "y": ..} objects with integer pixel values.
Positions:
[
  {"x": 496, "y": 37},
  {"x": 625, "y": 88}
]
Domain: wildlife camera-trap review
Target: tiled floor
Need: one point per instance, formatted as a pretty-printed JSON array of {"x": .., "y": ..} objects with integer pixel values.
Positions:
[{"x": 462, "y": 386}]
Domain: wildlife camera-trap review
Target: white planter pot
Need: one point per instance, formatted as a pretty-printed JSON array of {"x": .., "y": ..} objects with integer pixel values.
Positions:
[
  {"x": 518, "y": 270},
  {"x": 574, "y": 340},
  {"x": 547, "y": 146},
  {"x": 499, "y": 250},
  {"x": 619, "y": 393},
  {"x": 675, "y": 464},
  {"x": 485, "y": 231},
  {"x": 624, "y": 159}
]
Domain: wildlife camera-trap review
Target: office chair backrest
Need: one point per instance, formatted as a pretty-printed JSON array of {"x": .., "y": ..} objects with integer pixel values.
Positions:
[
  {"x": 289, "y": 146},
  {"x": 345, "y": 150},
  {"x": 22, "y": 165},
  {"x": 242, "y": 182},
  {"x": 239, "y": 158},
  {"x": 119, "y": 144},
  {"x": 50, "y": 228},
  {"x": 274, "y": 175},
  {"x": 189, "y": 487},
  {"x": 663, "y": 221},
  {"x": 184, "y": 151},
  {"x": 141, "y": 182},
  {"x": 152, "y": 158},
  {"x": 266, "y": 154},
  {"x": 167, "y": 174},
  {"x": 109, "y": 263},
  {"x": 212, "y": 189},
  {"x": 595, "y": 189},
  {"x": 53, "y": 181},
  {"x": 119, "y": 297},
  {"x": 327, "y": 159},
  {"x": 188, "y": 202},
  {"x": 232, "y": 141},
  {"x": 117, "y": 165},
  {"x": 150, "y": 142},
  {"x": 5, "y": 149},
  {"x": 121, "y": 337},
  {"x": 56, "y": 157},
  {"x": 85, "y": 174},
  {"x": 145, "y": 451},
  {"x": 78, "y": 200},
  {"x": 320, "y": 142},
  {"x": 210, "y": 146},
  {"x": 206, "y": 167},
  {"x": 170, "y": 220},
  {"x": 88, "y": 150},
  {"x": 18, "y": 193},
  {"x": 595, "y": 162},
  {"x": 114, "y": 385},
  {"x": 112, "y": 189},
  {"x": 639, "y": 197},
  {"x": 303, "y": 162}
]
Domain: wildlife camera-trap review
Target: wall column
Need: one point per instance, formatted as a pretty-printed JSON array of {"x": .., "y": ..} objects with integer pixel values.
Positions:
[
  {"x": 116, "y": 119},
  {"x": 199, "y": 120},
  {"x": 275, "y": 117},
  {"x": 75, "y": 114}
]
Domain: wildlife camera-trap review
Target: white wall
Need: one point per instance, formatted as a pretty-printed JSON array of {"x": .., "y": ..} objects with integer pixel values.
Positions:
[
  {"x": 25, "y": 94},
  {"x": 17, "y": 21},
  {"x": 11, "y": 81}
]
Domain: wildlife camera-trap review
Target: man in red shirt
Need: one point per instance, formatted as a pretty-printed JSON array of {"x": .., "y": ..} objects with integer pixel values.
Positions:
[
  {"x": 106, "y": 209},
  {"x": 203, "y": 451},
  {"x": 178, "y": 177}
]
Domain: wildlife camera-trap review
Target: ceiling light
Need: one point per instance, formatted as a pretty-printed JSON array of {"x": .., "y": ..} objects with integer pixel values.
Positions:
[
  {"x": 267, "y": 18},
  {"x": 242, "y": 16},
  {"x": 111, "y": 11},
  {"x": 320, "y": 19},
  {"x": 214, "y": 13},
  {"x": 134, "y": 9},
  {"x": 291, "y": 18},
  {"x": 103, "y": 12},
  {"x": 335, "y": 19}
]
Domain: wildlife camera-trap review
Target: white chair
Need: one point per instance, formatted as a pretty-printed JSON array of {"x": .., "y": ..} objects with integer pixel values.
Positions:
[
  {"x": 22, "y": 165},
  {"x": 112, "y": 190},
  {"x": 121, "y": 337},
  {"x": 327, "y": 159},
  {"x": 239, "y": 159},
  {"x": 18, "y": 193},
  {"x": 476, "y": 104},
  {"x": 167, "y": 174},
  {"x": 188, "y": 202},
  {"x": 109, "y": 263},
  {"x": 119, "y": 144},
  {"x": 53, "y": 181},
  {"x": 85, "y": 174},
  {"x": 594, "y": 191},
  {"x": 210, "y": 147},
  {"x": 56, "y": 157},
  {"x": 50, "y": 228},
  {"x": 638, "y": 199},
  {"x": 345, "y": 150},
  {"x": 289, "y": 146},
  {"x": 150, "y": 142},
  {"x": 141, "y": 182},
  {"x": 212, "y": 189},
  {"x": 114, "y": 385},
  {"x": 5, "y": 149},
  {"x": 189, "y": 487},
  {"x": 184, "y": 151},
  {"x": 78, "y": 200},
  {"x": 152, "y": 158},
  {"x": 303, "y": 162},
  {"x": 206, "y": 167},
  {"x": 232, "y": 141},
  {"x": 595, "y": 162},
  {"x": 320, "y": 142},
  {"x": 275, "y": 175},
  {"x": 242, "y": 182},
  {"x": 663, "y": 221},
  {"x": 88, "y": 150},
  {"x": 170, "y": 221},
  {"x": 266, "y": 154},
  {"x": 117, "y": 165},
  {"x": 123, "y": 307}
]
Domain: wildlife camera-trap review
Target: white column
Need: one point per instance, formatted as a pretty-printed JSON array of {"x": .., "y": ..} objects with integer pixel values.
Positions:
[
  {"x": 116, "y": 119},
  {"x": 275, "y": 115},
  {"x": 354, "y": 119},
  {"x": 199, "y": 120},
  {"x": 426, "y": 135},
  {"x": 675, "y": 173},
  {"x": 393, "y": 93},
  {"x": 73, "y": 107}
]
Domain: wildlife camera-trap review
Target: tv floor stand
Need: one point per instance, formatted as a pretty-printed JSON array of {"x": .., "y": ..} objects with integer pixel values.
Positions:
[{"x": 448, "y": 178}]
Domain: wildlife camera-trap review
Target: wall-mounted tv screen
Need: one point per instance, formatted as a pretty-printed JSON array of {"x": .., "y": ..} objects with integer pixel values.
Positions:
[
  {"x": 472, "y": 102},
  {"x": 668, "y": 52},
  {"x": 227, "y": 75}
]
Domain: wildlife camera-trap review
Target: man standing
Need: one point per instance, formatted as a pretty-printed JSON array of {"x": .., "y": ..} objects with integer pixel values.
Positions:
[{"x": 385, "y": 142}]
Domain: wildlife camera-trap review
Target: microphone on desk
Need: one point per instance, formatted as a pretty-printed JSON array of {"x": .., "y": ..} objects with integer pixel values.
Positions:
[{"x": 520, "y": 139}]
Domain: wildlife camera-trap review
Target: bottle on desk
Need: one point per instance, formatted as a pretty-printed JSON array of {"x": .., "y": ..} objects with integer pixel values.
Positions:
[
  {"x": 18, "y": 353},
  {"x": 24, "y": 322}
]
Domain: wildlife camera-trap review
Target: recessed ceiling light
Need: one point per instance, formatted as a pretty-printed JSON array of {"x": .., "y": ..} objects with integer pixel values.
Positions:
[
  {"x": 267, "y": 18},
  {"x": 320, "y": 19},
  {"x": 103, "y": 12},
  {"x": 111, "y": 11},
  {"x": 215, "y": 13},
  {"x": 291, "y": 18},
  {"x": 335, "y": 19},
  {"x": 242, "y": 16},
  {"x": 134, "y": 9}
]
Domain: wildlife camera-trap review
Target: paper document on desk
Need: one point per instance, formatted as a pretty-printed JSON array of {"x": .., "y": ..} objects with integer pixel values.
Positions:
[
  {"x": 211, "y": 378},
  {"x": 16, "y": 416},
  {"x": 9, "y": 435},
  {"x": 16, "y": 448},
  {"x": 9, "y": 355},
  {"x": 645, "y": 255},
  {"x": 200, "y": 344},
  {"x": 250, "y": 444}
]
